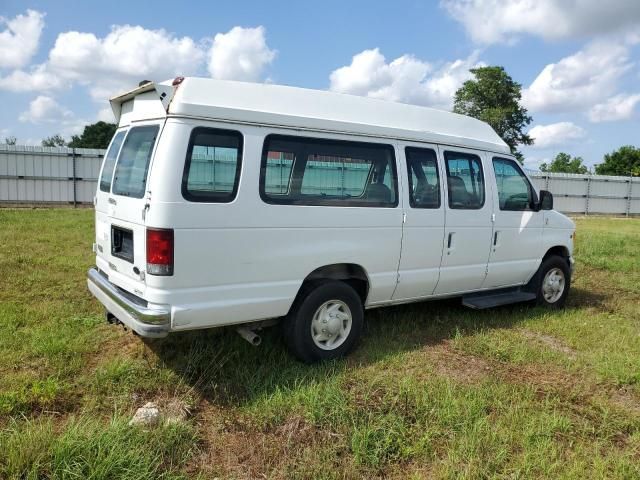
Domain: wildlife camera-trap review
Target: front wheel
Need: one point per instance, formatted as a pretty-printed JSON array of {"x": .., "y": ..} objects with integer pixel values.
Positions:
[
  {"x": 554, "y": 281},
  {"x": 325, "y": 323}
]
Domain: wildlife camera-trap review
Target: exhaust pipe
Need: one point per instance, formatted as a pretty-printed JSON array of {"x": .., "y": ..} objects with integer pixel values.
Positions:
[{"x": 249, "y": 335}]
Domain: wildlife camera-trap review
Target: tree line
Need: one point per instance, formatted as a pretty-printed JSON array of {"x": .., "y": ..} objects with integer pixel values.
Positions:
[
  {"x": 96, "y": 135},
  {"x": 624, "y": 161},
  {"x": 491, "y": 95}
]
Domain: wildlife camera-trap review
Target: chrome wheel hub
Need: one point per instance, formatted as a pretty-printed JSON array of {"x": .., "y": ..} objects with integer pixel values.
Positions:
[
  {"x": 331, "y": 324},
  {"x": 553, "y": 285}
]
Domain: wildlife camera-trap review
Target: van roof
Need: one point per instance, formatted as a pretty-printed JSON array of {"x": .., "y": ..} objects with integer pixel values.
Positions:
[{"x": 301, "y": 108}]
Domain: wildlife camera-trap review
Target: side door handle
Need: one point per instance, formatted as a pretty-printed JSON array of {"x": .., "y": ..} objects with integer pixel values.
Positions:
[
  {"x": 450, "y": 241},
  {"x": 495, "y": 238},
  {"x": 112, "y": 201}
]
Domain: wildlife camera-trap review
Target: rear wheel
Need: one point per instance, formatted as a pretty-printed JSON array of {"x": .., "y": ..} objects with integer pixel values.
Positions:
[
  {"x": 324, "y": 323},
  {"x": 554, "y": 280}
]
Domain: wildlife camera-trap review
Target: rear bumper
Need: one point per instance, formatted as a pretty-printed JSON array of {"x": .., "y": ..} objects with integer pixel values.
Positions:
[{"x": 145, "y": 321}]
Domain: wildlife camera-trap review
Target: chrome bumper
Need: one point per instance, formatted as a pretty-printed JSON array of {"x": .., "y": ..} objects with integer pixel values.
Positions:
[{"x": 146, "y": 322}]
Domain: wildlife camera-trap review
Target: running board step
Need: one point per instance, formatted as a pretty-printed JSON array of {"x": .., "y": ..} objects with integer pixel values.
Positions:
[{"x": 480, "y": 302}]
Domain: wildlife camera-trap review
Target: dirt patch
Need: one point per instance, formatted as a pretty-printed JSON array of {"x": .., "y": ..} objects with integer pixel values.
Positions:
[
  {"x": 234, "y": 447},
  {"x": 447, "y": 361},
  {"x": 549, "y": 342},
  {"x": 625, "y": 399}
]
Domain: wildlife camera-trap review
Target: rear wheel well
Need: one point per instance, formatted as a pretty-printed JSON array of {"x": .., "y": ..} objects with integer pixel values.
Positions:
[{"x": 350, "y": 273}]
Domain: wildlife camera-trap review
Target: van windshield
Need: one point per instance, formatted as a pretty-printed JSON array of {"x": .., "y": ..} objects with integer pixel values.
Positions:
[{"x": 133, "y": 164}]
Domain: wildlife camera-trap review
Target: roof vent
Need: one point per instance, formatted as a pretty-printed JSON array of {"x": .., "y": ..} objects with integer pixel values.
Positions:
[{"x": 144, "y": 82}]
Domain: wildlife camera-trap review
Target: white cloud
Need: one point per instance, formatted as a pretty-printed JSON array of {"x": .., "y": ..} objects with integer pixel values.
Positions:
[
  {"x": 38, "y": 79},
  {"x": 618, "y": 107},
  {"x": 45, "y": 109},
  {"x": 19, "y": 41},
  {"x": 129, "y": 54},
  {"x": 492, "y": 21},
  {"x": 120, "y": 60},
  {"x": 581, "y": 80},
  {"x": 107, "y": 65},
  {"x": 105, "y": 115},
  {"x": 240, "y": 54},
  {"x": 405, "y": 79},
  {"x": 556, "y": 134}
]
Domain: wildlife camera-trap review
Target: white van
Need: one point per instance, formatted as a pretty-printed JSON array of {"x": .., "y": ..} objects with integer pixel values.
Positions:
[{"x": 229, "y": 203}]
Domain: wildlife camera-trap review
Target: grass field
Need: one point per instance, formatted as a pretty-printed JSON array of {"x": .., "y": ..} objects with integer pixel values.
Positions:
[{"x": 434, "y": 391}]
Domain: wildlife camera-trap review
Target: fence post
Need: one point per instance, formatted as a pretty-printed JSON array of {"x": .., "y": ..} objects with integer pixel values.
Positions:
[
  {"x": 75, "y": 195},
  {"x": 588, "y": 196},
  {"x": 628, "y": 212}
]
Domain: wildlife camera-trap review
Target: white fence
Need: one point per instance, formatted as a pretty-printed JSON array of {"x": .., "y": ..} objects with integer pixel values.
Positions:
[
  {"x": 48, "y": 175},
  {"x": 591, "y": 194},
  {"x": 66, "y": 176}
]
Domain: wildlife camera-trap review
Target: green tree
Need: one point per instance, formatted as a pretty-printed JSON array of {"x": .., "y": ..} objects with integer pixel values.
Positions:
[
  {"x": 10, "y": 140},
  {"x": 54, "y": 141},
  {"x": 625, "y": 161},
  {"x": 493, "y": 97},
  {"x": 565, "y": 163},
  {"x": 96, "y": 135}
]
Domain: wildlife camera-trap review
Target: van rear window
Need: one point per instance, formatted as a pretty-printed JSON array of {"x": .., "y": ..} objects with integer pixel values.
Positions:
[
  {"x": 110, "y": 162},
  {"x": 133, "y": 163},
  {"x": 212, "y": 168}
]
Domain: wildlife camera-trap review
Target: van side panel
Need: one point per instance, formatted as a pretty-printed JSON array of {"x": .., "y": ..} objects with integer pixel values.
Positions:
[{"x": 246, "y": 260}]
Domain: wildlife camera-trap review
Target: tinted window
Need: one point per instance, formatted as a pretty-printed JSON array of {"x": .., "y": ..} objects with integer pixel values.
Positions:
[
  {"x": 133, "y": 163},
  {"x": 212, "y": 166},
  {"x": 309, "y": 171},
  {"x": 514, "y": 190},
  {"x": 424, "y": 183},
  {"x": 465, "y": 180},
  {"x": 110, "y": 162}
]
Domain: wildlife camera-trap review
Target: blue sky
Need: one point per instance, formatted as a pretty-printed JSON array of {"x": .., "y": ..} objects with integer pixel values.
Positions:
[{"x": 577, "y": 61}]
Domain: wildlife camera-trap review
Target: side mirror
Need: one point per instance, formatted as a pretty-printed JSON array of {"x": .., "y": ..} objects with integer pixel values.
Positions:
[{"x": 546, "y": 200}]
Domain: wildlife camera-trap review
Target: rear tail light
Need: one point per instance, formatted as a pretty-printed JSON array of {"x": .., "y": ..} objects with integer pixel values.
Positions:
[{"x": 159, "y": 251}]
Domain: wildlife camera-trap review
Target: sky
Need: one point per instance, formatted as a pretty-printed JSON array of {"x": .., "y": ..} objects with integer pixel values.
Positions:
[{"x": 578, "y": 61}]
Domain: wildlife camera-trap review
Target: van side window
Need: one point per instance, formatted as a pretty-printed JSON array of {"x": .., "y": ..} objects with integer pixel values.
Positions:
[
  {"x": 465, "y": 180},
  {"x": 130, "y": 177},
  {"x": 514, "y": 190},
  {"x": 424, "y": 182},
  {"x": 212, "y": 167},
  {"x": 110, "y": 162},
  {"x": 310, "y": 171}
]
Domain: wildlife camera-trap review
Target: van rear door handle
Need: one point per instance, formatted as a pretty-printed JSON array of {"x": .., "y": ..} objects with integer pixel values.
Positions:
[
  {"x": 450, "y": 240},
  {"x": 495, "y": 238}
]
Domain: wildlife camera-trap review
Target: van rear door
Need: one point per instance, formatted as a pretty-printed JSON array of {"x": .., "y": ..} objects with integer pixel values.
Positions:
[
  {"x": 122, "y": 198},
  {"x": 121, "y": 210}
]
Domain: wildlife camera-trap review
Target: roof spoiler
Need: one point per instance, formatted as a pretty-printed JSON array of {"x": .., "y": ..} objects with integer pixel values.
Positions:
[{"x": 164, "y": 90}]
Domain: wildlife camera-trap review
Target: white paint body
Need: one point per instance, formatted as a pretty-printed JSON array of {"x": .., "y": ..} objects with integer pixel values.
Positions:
[{"x": 246, "y": 260}]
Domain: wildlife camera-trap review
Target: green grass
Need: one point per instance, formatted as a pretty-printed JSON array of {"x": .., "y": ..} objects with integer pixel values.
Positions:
[{"x": 434, "y": 391}]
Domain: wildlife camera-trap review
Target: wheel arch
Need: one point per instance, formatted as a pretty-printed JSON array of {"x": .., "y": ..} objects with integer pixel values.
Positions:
[
  {"x": 556, "y": 250},
  {"x": 559, "y": 250},
  {"x": 351, "y": 273}
]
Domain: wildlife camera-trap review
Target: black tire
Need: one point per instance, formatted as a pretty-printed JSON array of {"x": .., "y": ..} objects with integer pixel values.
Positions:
[
  {"x": 548, "y": 265},
  {"x": 297, "y": 325}
]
